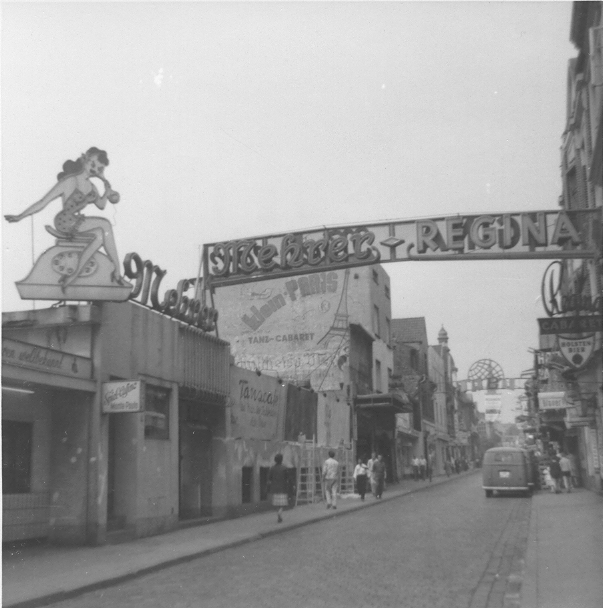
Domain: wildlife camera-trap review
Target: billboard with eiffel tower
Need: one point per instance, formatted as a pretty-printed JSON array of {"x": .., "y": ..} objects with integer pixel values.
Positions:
[{"x": 294, "y": 328}]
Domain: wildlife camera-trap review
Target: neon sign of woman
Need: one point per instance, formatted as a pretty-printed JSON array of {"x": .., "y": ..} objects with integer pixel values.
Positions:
[{"x": 77, "y": 191}]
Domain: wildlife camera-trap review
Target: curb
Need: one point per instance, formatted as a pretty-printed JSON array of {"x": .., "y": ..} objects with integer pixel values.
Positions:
[{"x": 59, "y": 596}]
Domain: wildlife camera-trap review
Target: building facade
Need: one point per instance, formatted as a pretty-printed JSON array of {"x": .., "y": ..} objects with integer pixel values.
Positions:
[
  {"x": 331, "y": 333},
  {"x": 119, "y": 422},
  {"x": 411, "y": 374},
  {"x": 568, "y": 390}
]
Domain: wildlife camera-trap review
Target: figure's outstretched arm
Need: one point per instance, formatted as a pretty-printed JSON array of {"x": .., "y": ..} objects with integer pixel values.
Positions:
[{"x": 55, "y": 192}]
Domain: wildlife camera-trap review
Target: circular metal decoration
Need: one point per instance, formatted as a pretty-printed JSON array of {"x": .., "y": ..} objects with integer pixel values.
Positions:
[
  {"x": 485, "y": 369},
  {"x": 65, "y": 263}
]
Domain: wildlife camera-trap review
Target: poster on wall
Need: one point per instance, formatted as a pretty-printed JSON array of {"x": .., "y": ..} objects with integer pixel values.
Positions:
[
  {"x": 293, "y": 328},
  {"x": 256, "y": 406}
]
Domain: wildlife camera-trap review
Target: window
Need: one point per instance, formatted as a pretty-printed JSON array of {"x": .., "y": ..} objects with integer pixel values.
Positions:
[
  {"x": 17, "y": 439},
  {"x": 378, "y": 379},
  {"x": 504, "y": 457},
  {"x": 376, "y": 277},
  {"x": 376, "y": 328},
  {"x": 387, "y": 294},
  {"x": 157, "y": 412},
  {"x": 414, "y": 359}
]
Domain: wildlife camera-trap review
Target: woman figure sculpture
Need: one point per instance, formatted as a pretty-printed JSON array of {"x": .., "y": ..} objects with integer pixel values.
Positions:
[{"x": 76, "y": 191}]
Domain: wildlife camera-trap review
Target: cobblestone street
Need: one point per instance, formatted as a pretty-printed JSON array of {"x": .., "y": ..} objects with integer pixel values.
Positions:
[{"x": 447, "y": 547}]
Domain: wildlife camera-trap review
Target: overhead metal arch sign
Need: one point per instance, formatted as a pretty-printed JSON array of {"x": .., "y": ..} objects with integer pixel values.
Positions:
[{"x": 495, "y": 236}]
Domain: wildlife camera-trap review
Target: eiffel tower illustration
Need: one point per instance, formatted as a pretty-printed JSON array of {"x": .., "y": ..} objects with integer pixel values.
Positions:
[{"x": 340, "y": 325}]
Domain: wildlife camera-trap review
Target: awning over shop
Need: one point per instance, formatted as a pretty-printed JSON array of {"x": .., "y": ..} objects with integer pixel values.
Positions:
[{"x": 394, "y": 403}]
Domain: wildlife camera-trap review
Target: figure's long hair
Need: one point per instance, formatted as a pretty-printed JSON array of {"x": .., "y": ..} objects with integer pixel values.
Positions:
[{"x": 72, "y": 167}]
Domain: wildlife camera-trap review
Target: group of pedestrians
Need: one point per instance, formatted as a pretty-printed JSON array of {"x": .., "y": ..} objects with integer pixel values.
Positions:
[
  {"x": 373, "y": 473},
  {"x": 419, "y": 468},
  {"x": 455, "y": 465},
  {"x": 558, "y": 473}
]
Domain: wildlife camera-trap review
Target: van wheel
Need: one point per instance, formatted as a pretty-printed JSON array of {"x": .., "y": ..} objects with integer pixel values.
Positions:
[{"x": 488, "y": 493}]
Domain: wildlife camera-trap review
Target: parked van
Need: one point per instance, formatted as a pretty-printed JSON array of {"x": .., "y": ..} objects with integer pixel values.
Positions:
[{"x": 507, "y": 470}]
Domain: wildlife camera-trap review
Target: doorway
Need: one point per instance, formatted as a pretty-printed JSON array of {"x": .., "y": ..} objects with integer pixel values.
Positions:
[
  {"x": 195, "y": 471},
  {"x": 115, "y": 520}
]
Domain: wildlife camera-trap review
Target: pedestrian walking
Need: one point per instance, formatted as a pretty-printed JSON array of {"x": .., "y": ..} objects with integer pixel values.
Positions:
[
  {"x": 457, "y": 465},
  {"x": 415, "y": 468},
  {"x": 555, "y": 470},
  {"x": 277, "y": 486},
  {"x": 548, "y": 479},
  {"x": 360, "y": 477},
  {"x": 429, "y": 467},
  {"x": 379, "y": 472},
  {"x": 447, "y": 468},
  {"x": 566, "y": 472},
  {"x": 330, "y": 479},
  {"x": 574, "y": 470},
  {"x": 422, "y": 467},
  {"x": 369, "y": 465}
]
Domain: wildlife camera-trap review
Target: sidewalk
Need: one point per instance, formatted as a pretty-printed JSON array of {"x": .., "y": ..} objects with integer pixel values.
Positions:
[
  {"x": 38, "y": 576},
  {"x": 564, "y": 559}
]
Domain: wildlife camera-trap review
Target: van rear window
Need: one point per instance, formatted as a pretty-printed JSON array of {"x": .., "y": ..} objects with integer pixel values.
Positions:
[{"x": 503, "y": 457}]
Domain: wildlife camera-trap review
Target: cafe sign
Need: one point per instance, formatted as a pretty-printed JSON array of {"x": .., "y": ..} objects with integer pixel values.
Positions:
[
  {"x": 525, "y": 235},
  {"x": 122, "y": 397}
]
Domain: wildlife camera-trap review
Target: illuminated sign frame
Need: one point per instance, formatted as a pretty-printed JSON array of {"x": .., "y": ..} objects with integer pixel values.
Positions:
[{"x": 504, "y": 236}]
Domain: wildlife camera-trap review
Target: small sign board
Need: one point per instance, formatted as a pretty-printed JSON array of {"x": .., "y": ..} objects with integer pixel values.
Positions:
[
  {"x": 552, "y": 401},
  {"x": 123, "y": 396},
  {"x": 577, "y": 352}
]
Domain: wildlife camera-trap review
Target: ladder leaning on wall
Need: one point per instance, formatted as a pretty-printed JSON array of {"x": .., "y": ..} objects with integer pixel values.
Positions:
[
  {"x": 345, "y": 456},
  {"x": 309, "y": 486},
  {"x": 309, "y": 475}
]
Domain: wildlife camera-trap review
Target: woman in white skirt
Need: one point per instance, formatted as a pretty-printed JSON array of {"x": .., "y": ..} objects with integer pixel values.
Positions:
[{"x": 277, "y": 485}]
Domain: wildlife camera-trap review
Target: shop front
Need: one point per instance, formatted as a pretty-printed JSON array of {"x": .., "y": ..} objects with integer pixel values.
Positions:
[
  {"x": 111, "y": 413},
  {"x": 47, "y": 403},
  {"x": 407, "y": 442},
  {"x": 377, "y": 427},
  {"x": 161, "y": 464}
]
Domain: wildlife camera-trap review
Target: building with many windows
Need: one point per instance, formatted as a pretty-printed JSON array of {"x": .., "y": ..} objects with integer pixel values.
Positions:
[{"x": 569, "y": 395}]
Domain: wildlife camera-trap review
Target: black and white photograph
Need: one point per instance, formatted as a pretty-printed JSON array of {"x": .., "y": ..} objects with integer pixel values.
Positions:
[{"x": 302, "y": 304}]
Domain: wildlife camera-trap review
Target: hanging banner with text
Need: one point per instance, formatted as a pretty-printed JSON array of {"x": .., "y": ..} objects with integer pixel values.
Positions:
[{"x": 524, "y": 235}]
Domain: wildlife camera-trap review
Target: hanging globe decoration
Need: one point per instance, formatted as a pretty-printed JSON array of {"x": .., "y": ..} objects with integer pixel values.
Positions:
[{"x": 488, "y": 370}]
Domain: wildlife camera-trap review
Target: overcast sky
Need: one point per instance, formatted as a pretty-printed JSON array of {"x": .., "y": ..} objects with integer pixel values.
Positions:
[{"x": 225, "y": 120}]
